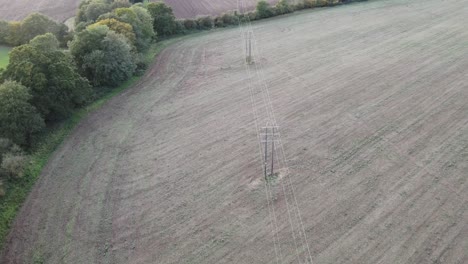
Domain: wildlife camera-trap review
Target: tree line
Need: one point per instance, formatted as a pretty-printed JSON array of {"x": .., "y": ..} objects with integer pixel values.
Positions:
[{"x": 53, "y": 70}]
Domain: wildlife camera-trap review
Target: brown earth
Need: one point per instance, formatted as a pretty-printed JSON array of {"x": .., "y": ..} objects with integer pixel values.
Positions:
[
  {"x": 191, "y": 9},
  {"x": 372, "y": 103},
  {"x": 61, "y": 10}
]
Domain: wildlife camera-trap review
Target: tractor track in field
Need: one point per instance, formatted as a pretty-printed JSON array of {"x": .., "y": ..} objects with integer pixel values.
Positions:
[{"x": 373, "y": 111}]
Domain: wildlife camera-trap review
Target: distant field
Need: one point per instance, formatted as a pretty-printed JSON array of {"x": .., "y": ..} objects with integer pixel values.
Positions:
[
  {"x": 63, "y": 9},
  {"x": 4, "y": 56},
  {"x": 372, "y": 103}
]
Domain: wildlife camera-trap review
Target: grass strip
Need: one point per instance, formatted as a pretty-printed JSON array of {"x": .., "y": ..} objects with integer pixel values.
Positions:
[{"x": 18, "y": 189}]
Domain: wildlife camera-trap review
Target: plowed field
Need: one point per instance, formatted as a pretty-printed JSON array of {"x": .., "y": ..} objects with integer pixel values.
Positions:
[{"x": 372, "y": 103}]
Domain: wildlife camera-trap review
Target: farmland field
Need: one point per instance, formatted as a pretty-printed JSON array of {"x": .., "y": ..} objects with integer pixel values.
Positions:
[
  {"x": 4, "y": 56},
  {"x": 17, "y": 10},
  {"x": 63, "y": 9},
  {"x": 372, "y": 104}
]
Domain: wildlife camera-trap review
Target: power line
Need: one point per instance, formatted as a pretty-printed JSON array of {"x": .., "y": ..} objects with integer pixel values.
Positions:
[{"x": 271, "y": 120}]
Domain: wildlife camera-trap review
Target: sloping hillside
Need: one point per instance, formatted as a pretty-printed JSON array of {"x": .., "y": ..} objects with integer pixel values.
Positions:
[
  {"x": 371, "y": 100},
  {"x": 64, "y": 9}
]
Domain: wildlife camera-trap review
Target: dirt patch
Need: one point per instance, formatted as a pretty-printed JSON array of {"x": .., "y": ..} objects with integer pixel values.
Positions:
[
  {"x": 371, "y": 100},
  {"x": 60, "y": 10},
  {"x": 191, "y": 9}
]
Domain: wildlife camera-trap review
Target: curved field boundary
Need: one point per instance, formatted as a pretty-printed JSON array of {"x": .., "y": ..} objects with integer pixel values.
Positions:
[
  {"x": 374, "y": 126},
  {"x": 52, "y": 139},
  {"x": 62, "y": 10}
]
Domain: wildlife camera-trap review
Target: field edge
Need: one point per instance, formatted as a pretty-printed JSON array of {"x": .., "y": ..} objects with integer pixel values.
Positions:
[{"x": 19, "y": 189}]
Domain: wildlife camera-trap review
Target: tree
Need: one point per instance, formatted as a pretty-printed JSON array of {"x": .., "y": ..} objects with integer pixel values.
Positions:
[
  {"x": 164, "y": 20},
  {"x": 120, "y": 4},
  {"x": 12, "y": 160},
  {"x": 117, "y": 26},
  {"x": 14, "y": 33},
  {"x": 45, "y": 42},
  {"x": 104, "y": 56},
  {"x": 264, "y": 9},
  {"x": 51, "y": 75},
  {"x": 282, "y": 7},
  {"x": 37, "y": 24},
  {"x": 90, "y": 10},
  {"x": 4, "y": 32},
  {"x": 142, "y": 24},
  {"x": 205, "y": 22},
  {"x": 145, "y": 24},
  {"x": 18, "y": 117}
]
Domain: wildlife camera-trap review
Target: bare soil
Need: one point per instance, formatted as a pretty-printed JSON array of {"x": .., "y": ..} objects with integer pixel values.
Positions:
[
  {"x": 191, "y": 9},
  {"x": 372, "y": 103},
  {"x": 62, "y": 10}
]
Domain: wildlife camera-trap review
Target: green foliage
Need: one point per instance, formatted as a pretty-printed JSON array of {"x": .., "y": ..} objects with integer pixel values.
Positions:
[
  {"x": 264, "y": 10},
  {"x": 4, "y": 31},
  {"x": 17, "y": 33},
  {"x": 51, "y": 75},
  {"x": 37, "y": 24},
  {"x": 10, "y": 33},
  {"x": 282, "y": 7},
  {"x": 205, "y": 22},
  {"x": 190, "y": 24},
  {"x": 18, "y": 117},
  {"x": 226, "y": 19},
  {"x": 85, "y": 42},
  {"x": 117, "y": 26},
  {"x": 120, "y": 3},
  {"x": 45, "y": 42},
  {"x": 90, "y": 10},
  {"x": 318, "y": 3},
  {"x": 230, "y": 19},
  {"x": 164, "y": 20},
  {"x": 180, "y": 28},
  {"x": 145, "y": 26},
  {"x": 13, "y": 164},
  {"x": 142, "y": 24},
  {"x": 104, "y": 56},
  {"x": 16, "y": 191},
  {"x": 218, "y": 22}
]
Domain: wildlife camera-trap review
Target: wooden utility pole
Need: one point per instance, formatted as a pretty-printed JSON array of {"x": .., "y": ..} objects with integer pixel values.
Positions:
[
  {"x": 269, "y": 135},
  {"x": 248, "y": 47},
  {"x": 272, "y": 150},
  {"x": 266, "y": 153}
]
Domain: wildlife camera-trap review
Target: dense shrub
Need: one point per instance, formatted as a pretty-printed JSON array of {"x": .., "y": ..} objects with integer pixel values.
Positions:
[
  {"x": 90, "y": 10},
  {"x": 51, "y": 75},
  {"x": 205, "y": 22},
  {"x": 180, "y": 28},
  {"x": 117, "y": 26},
  {"x": 142, "y": 24},
  {"x": 13, "y": 164},
  {"x": 218, "y": 22},
  {"x": 4, "y": 32},
  {"x": 190, "y": 24},
  {"x": 120, "y": 3},
  {"x": 38, "y": 24},
  {"x": 17, "y": 33},
  {"x": 104, "y": 56},
  {"x": 317, "y": 3},
  {"x": 264, "y": 10},
  {"x": 282, "y": 7},
  {"x": 18, "y": 118},
  {"x": 164, "y": 23},
  {"x": 229, "y": 19}
]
